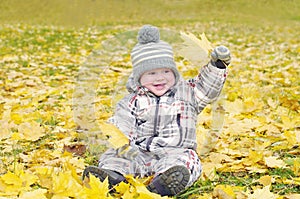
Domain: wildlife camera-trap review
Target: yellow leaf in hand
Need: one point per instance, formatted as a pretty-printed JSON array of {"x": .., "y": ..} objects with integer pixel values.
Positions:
[
  {"x": 115, "y": 137},
  {"x": 194, "y": 49}
]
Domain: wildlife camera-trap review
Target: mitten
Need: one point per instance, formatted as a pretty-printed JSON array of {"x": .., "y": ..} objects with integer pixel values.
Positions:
[{"x": 220, "y": 57}]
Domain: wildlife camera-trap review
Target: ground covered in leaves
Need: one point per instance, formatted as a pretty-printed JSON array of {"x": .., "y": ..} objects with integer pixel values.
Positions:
[{"x": 44, "y": 145}]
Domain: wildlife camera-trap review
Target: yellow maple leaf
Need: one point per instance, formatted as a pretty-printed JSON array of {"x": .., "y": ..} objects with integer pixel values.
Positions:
[
  {"x": 224, "y": 192},
  {"x": 14, "y": 184},
  {"x": 12, "y": 179},
  {"x": 288, "y": 123},
  {"x": 45, "y": 176},
  {"x": 140, "y": 189},
  {"x": 290, "y": 137},
  {"x": 291, "y": 196},
  {"x": 253, "y": 158},
  {"x": 115, "y": 137},
  {"x": 5, "y": 130},
  {"x": 64, "y": 184},
  {"x": 194, "y": 49},
  {"x": 209, "y": 170},
  {"x": 293, "y": 181},
  {"x": 30, "y": 131},
  {"x": 122, "y": 187},
  {"x": 262, "y": 193},
  {"x": 274, "y": 162},
  {"x": 266, "y": 180},
  {"x": 97, "y": 189},
  {"x": 39, "y": 193},
  {"x": 235, "y": 108},
  {"x": 28, "y": 179}
]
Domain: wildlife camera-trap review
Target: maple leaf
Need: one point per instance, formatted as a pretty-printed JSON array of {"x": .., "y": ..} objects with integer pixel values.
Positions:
[
  {"x": 140, "y": 189},
  {"x": 30, "y": 131},
  {"x": 266, "y": 180},
  {"x": 97, "y": 189},
  {"x": 224, "y": 192},
  {"x": 38, "y": 193},
  {"x": 194, "y": 49},
  {"x": 253, "y": 158},
  {"x": 122, "y": 188},
  {"x": 116, "y": 138},
  {"x": 5, "y": 130},
  {"x": 263, "y": 193},
  {"x": 274, "y": 162},
  {"x": 77, "y": 149},
  {"x": 64, "y": 184},
  {"x": 12, "y": 179}
]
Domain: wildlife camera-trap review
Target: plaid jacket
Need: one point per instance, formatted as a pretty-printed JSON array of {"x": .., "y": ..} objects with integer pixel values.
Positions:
[{"x": 152, "y": 122}]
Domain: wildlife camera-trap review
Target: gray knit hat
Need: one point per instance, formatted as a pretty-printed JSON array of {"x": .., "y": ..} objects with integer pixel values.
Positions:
[{"x": 151, "y": 53}]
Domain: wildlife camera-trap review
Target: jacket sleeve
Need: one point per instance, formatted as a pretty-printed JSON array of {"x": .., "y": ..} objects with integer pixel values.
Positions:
[
  {"x": 123, "y": 117},
  {"x": 208, "y": 84}
]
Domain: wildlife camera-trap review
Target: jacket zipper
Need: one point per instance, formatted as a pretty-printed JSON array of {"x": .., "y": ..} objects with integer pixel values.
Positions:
[{"x": 155, "y": 133}]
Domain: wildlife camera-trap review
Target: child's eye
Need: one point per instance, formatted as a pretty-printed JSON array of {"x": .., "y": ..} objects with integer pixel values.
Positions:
[
  {"x": 151, "y": 73},
  {"x": 167, "y": 71}
]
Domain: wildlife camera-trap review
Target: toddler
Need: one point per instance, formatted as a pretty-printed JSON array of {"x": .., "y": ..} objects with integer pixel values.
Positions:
[{"x": 159, "y": 117}]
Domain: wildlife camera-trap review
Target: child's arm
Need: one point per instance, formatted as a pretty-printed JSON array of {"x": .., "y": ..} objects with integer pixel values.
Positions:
[
  {"x": 211, "y": 78},
  {"x": 123, "y": 117}
]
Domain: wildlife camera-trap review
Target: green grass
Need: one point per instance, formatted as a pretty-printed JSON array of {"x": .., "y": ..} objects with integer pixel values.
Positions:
[
  {"x": 114, "y": 12},
  {"x": 243, "y": 179}
]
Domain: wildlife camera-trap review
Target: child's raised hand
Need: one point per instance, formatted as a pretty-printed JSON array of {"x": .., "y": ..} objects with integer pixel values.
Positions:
[{"x": 220, "y": 56}]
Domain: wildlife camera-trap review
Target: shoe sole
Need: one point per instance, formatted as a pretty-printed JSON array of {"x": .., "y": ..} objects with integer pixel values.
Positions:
[
  {"x": 98, "y": 173},
  {"x": 172, "y": 181},
  {"x": 113, "y": 177}
]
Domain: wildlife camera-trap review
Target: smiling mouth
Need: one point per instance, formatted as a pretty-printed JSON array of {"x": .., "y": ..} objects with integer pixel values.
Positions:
[{"x": 159, "y": 86}]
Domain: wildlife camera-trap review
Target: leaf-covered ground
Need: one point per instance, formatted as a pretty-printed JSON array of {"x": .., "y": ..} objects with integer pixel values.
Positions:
[{"x": 44, "y": 147}]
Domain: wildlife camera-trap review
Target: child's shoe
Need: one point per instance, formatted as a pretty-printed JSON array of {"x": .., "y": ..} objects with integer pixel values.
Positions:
[
  {"x": 170, "y": 182},
  {"x": 113, "y": 176}
]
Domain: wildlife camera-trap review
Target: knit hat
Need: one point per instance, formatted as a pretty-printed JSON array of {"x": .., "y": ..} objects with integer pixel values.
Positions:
[{"x": 151, "y": 53}]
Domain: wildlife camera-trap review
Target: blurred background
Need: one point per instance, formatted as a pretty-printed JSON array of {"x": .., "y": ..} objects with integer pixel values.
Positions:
[{"x": 114, "y": 12}]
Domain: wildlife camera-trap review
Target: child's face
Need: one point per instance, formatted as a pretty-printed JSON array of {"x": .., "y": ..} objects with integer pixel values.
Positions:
[{"x": 158, "y": 81}]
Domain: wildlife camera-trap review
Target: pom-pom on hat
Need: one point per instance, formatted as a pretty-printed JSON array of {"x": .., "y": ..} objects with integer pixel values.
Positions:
[{"x": 151, "y": 53}]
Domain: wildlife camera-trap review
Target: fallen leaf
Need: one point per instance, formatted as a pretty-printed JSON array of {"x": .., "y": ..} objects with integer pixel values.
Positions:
[
  {"x": 274, "y": 162},
  {"x": 30, "y": 131},
  {"x": 263, "y": 193},
  {"x": 223, "y": 192},
  {"x": 76, "y": 149},
  {"x": 266, "y": 180},
  {"x": 39, "y": 193}
]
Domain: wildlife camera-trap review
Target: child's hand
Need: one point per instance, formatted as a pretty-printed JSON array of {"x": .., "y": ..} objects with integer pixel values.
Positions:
[{"x": 220, "y": 57}]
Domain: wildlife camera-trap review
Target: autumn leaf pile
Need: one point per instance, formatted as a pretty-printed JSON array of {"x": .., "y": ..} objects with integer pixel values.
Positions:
[{"x": 45, "y": 144}]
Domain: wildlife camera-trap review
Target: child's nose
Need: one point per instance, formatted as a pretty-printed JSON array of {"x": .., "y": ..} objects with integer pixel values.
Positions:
[{"x": 160, "y": 76}]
